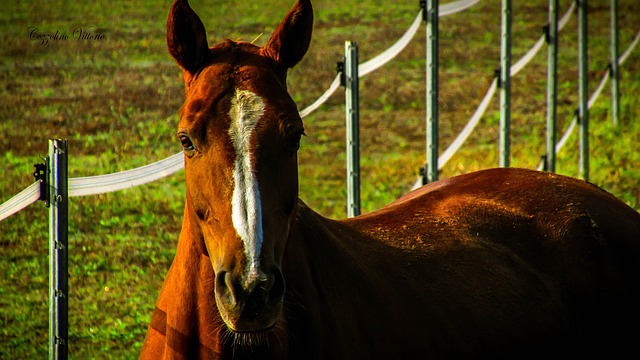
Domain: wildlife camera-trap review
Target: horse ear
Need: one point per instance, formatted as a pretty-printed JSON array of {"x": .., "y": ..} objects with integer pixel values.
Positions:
[
  {"x": 186, "y": 37},
  {"x": 290, "y": 41}
]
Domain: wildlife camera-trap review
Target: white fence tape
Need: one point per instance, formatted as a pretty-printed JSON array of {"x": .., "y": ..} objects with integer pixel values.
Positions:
[
  {"x": 455, "y": 7},
  {"x": 466, "y": 131},
  {"x": 323, "y": 98},
  {"x": 524, "y": 60},
  {"x": 20, "y": 201},
  {"x": 626, "y": 54},
  {"x": 101, "y": 184},
  {"x": 390, "y": 53},
  {"x": 395, "y": 49}
]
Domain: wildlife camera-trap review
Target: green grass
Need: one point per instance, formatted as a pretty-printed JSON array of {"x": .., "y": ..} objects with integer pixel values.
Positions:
[{"x": 116, "y": 100}]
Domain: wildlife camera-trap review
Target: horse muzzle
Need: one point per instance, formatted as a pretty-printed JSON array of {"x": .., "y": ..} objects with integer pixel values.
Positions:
[{"x": 250, "y": 306}]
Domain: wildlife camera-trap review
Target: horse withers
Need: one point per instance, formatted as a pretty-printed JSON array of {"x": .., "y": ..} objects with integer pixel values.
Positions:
[{"x": 501, "y": 263}]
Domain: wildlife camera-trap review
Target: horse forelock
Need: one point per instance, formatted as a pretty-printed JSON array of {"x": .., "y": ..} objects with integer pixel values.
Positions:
[{"x": 246, "y": 109}]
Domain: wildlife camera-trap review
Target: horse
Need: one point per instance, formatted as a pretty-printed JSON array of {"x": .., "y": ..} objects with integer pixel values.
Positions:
[{"x": 498, "y": 263}]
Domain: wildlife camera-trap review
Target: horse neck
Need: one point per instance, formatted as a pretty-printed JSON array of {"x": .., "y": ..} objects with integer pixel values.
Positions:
[
  {"x": 327, "y": 246},
  {"x": 326, "y": 261},
  {"x": 315, "y": 244}
]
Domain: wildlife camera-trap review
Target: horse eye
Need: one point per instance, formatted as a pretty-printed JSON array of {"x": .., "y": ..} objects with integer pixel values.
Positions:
[
  {"x": 187, "y": 145},
  {"x": 295, "y": 142}
]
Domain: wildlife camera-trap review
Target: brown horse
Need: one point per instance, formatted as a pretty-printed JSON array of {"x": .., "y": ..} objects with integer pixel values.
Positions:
[{"x": 498, "y": 263}]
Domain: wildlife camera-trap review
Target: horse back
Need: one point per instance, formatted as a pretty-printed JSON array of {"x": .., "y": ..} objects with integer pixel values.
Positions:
[
  {"x": 543, "y": 255},
  {"x": 535, "y": 214}
]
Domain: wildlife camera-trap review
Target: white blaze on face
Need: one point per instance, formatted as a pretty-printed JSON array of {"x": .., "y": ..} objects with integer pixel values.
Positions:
[{"x": 246, "y": 109}]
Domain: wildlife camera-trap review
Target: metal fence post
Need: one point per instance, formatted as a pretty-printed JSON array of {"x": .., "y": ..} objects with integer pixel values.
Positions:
[
  {"x": 552, "y": 85},
  {"x": 583, "y": 108},
  {"x": 505, "y": 85},
  {"x": 58, "y": 250},
  {"x": 351, "y": 84},
  {"x": 615, "y": 87},
  {"x": 431, "y": 16}
]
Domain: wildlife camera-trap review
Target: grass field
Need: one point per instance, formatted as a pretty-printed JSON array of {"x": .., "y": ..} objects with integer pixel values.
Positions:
[{"x": 115, "y": 96}]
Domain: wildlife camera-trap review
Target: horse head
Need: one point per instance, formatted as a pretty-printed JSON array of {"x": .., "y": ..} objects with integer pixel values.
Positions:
[{"x": 240, "y": 130}]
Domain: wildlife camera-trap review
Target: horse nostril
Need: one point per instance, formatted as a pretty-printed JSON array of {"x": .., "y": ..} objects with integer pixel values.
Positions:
[
  {"x": 227, "y": 288},
  {"x": 277, "y": 286}
]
